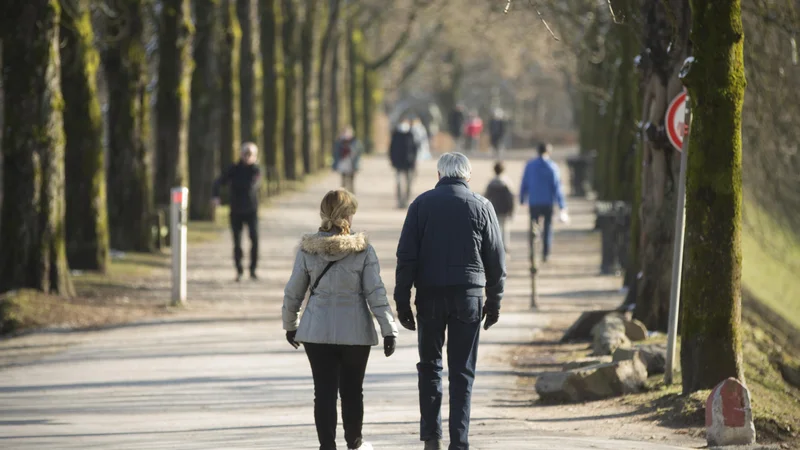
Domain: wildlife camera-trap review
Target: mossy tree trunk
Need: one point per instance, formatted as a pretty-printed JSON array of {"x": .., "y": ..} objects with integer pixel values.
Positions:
[
  {"x": 86, "y": 220},
  {"x": 130, "y": 197},
  {"x": 324, "y": 107},
  {"x": 335, "y": 91},
  {"x": 205, "y": 115},
  {"x": 711, "y": 345},
  {"x": 230, "y": 137},
  {"x": 32, "y": 219},
  {"x": 269, "y": 11},
  {"x": 249, "y": 74},
  {"x": 172, "y": 101},
  {"x": 355, "y": 79},
  {"x": 371, "y": 98},
  {"x": 660, "y": 162},
  {"x": 290, "y": 59},
  {"x": 307, "y": 54}
]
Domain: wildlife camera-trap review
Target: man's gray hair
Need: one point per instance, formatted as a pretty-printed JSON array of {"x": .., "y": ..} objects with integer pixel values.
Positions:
[
  {"x": 249, "y": 148},
  {"x": 454, "y": 165}
]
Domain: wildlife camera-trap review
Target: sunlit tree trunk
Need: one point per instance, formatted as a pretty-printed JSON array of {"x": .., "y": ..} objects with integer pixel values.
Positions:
[
  {"x": 249, "y": 74},
  {"x": 660, "y": 161},
  {"x": 324, "y": 106},
  {"x": 230, "y": 139},
  {"x": 269, "y": 11},
  {"x": 86, "y": 219},
  {"x": 307, "y": 54},
  {"x": 172, "y": 101},
  {"x": 32, "y": 219},
  {"x": 205, "y": 115},
  {"x": 355, "y": 79},
  {"x": 130, "y": 198},
  {"x": 289, "y": 41},
  {"x": 711, "y": 345}
]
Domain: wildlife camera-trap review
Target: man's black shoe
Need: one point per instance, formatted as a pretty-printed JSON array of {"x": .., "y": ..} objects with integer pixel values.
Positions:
[
  {"x": 253, "y": 276},
  {"x": 434, "y": 444}
]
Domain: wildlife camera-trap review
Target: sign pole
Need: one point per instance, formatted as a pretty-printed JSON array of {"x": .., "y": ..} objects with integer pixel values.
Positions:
[
  {"x": 677, "y": 254},
  {"x": 178, "y": 217}
]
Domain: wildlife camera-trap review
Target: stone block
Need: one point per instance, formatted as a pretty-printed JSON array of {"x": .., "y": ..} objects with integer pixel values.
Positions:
[
  {"x": 635, "y": 330},
  {"x": 581, "y": 330},
  {"x": 729, "y": 419}
]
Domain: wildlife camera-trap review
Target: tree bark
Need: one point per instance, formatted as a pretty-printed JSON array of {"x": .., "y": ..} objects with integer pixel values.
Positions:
[
  {"x": 230, "y": 137},
  {"x": 355, "y": 78},
  {"x": 370, "y": 90},
  {"x": 335, "y": 92},
  {"x": 326, "y": 134},
  {"x": 307, "y": 74},
  {"x": 711, "y": 349},
  {"x": 86, "y": 219},
  {"x": 205, "y": 115},
  {"x": 130, "y": 197},
  {"x": 270, "y": 59},
  {"x": 32, "y": 219},
  {"x": 249, "y": 77},
  {"x": 172, "y": 102},
  {"x": 289, "y": 41},
  {"x": 660, "y": 162}
]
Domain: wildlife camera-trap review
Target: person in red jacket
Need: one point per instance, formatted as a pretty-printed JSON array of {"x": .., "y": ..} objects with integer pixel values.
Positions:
[{"x": 473, "y": 131}]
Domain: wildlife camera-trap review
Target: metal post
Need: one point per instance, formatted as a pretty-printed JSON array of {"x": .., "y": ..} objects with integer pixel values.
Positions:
[
  {"x": 534, "y": 269},
  {"x": 178, "y": 217},
  {"x": 677, "y": 254}
]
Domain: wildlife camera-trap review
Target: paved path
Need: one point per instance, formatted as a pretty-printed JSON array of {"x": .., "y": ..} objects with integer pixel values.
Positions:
[{"x": 222, "y": 377}]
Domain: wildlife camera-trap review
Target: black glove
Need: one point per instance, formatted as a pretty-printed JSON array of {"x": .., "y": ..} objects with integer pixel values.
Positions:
[
  {"x": 290, "y": 335},
  {"x": 407, "y": 319},
  {"x": 389, "y": 344},
  {"x": 492, "y": 314}
]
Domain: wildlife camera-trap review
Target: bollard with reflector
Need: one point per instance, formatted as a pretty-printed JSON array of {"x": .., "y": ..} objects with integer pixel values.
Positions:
[{"x": 178, "y": 218}]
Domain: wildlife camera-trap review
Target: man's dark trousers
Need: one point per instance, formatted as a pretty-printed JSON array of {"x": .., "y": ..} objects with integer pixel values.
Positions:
[
  {"x": 456, "y": 311},
  {"x": 542, "y": 212},
  {"x": 238, "y": 220}
]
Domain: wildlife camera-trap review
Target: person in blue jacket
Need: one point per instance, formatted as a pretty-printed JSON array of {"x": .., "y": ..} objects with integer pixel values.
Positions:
[{"x": 541, "y": 188}]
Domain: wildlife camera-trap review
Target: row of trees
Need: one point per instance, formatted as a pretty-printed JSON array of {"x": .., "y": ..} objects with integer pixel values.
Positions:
[
  {"x": 629, "y": 65},
  {"x": 85, "y": 82}
]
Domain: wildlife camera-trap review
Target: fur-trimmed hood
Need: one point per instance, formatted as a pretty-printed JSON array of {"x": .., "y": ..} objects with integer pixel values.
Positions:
[{"x": 334, "y": 247}]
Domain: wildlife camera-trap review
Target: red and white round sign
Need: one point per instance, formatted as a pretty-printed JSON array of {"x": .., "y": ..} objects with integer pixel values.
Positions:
[{"x": 674, "y": 122}]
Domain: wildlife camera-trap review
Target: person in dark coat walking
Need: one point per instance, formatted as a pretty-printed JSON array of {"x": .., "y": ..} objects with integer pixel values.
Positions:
[
  {"x": 456, "y": 125},
  {"x": 450, "y": 249},
  {"x": 403, "y": 155},
  {"x": 244, "y": 178},
  {"x": 499, "y": 193},
  {"x": 497, "y": 132}
]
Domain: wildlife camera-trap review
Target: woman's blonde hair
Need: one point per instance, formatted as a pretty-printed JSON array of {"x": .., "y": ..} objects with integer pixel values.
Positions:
[{"x": 334, "y": 210}]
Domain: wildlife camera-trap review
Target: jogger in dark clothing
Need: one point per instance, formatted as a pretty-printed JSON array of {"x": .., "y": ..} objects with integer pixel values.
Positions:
[
  {"x": 338, "y": 368},
  {"x": 244, "y": 178}
]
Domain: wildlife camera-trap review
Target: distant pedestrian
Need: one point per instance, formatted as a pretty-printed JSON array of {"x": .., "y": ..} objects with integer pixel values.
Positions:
[
  {"x": 473, "y": 131},
  {"x": 336, "y": 329},
  {"x": 347, "y": 151},
  {"x": 403, "y": 155},
  {"x": 541, "y": 188},
  {"x": 497, "y": 132},
  {"x": 499, "y": 193},
  {"x": 244, "y": 178},
  {"x": 450, "y": 249},
  {"x": 456, "y": 126},
  {"x": 421, "y": 138}
]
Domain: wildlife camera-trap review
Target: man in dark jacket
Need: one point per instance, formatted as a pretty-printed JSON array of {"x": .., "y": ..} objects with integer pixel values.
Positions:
[
  {"x": 451, "y": 250},
  {"x": 244, "y": 178},
  {"x": 403, "y": 155},
  {"x": 456, "y": 125}
]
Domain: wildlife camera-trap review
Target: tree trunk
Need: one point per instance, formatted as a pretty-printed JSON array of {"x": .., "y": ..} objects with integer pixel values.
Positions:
[
  {"x": 326, "y": 134},
  {"x": 370, "y": 88},
  {"x": 711, "y": 349},
  {"x": 334, "y": 92},
  {"x": 206, "y": 112},
  {"x": 249, "y": 80},
  {"x": 660, "y": 162},
  {"x": 307, "y": 75},
  {"x": 32, "y": 219},
  {"x": 130, "y": 198},
  {"x": 270, "y": 57},
  {"x": 172, "y": 103},
  {"x": 355, "y": 78},
  {"x": 86, "y": 219},
  {"x": 230, "y": 139},
  {"x": 289, "y": 41}
]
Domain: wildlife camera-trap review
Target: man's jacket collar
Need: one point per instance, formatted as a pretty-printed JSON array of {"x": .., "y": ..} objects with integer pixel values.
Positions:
[{"x": 452, "y": 181}]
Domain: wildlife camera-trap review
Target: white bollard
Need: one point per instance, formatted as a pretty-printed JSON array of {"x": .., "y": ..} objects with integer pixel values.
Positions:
[{"x": 178, "y": 219}]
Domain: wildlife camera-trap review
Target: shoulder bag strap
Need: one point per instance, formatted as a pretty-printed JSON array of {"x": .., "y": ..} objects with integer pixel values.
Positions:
[{"x": 324, "y": 271}]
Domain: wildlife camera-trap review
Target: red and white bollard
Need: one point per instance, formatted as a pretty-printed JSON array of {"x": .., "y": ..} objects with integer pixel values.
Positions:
[{"x": 729, "y": 419}]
